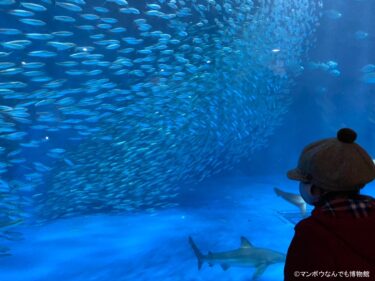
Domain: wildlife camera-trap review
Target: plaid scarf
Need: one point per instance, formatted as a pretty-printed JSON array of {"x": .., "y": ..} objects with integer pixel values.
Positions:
[{"x": 358, "y": 206}]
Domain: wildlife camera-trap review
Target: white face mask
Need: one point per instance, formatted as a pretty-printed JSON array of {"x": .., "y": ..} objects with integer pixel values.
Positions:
[{"x": 306, "y": 193}]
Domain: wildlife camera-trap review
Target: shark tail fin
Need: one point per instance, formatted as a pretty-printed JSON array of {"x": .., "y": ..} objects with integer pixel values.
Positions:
[{"x": 197, "y": 252}]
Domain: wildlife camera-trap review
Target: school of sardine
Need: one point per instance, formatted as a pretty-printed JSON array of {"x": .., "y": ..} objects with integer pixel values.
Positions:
[{"x": 111, "y": 105}]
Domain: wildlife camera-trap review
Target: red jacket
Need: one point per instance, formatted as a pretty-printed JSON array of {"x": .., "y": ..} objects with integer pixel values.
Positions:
[{"x": 337, "y": 240}]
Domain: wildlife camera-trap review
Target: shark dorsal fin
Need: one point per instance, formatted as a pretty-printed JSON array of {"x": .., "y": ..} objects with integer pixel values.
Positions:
[{"x": 245, "y": 243}]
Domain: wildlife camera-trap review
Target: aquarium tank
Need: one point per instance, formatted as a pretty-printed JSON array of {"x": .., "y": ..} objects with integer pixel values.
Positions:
[{"x": 139, "y": 138}]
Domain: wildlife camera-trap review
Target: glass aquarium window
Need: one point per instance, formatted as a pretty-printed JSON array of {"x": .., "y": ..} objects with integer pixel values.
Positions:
[{"x": 151, "y": 139}]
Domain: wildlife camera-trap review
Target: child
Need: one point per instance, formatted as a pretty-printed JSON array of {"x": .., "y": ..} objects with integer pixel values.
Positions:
[{"x": 338, "y": 239}]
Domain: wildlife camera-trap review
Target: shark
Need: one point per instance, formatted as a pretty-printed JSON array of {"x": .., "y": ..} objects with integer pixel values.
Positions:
[
  {"x": 295, "y": 199},
  {"x": 245, "y": 256}
]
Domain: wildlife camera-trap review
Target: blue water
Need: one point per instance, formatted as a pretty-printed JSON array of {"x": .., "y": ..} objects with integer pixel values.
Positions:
[
  {"x": 154, "y": 246},
  {"x": 117, "y": 160}
]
